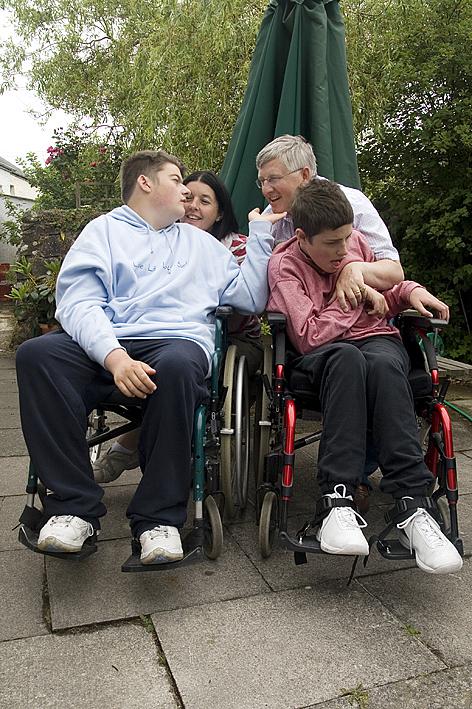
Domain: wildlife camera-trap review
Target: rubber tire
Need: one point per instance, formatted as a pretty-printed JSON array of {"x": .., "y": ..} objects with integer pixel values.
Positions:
[
  {"x": 262, "y": 434},
  {"x": 213, "y": 542},
  {"x": 441, "y": 502},
  {"x": 227, "y": 453},
  {"x": 242, "y": 433},
  {"x": 268, "y": 522},
  {"x": 235, "y": 447}
]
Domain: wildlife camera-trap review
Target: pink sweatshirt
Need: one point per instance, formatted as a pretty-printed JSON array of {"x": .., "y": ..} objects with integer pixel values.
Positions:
[{"x": 301, "y": 293}]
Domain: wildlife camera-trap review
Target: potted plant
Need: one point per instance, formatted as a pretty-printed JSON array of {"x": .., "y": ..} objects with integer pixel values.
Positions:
[{"x": 34, "y": 295}]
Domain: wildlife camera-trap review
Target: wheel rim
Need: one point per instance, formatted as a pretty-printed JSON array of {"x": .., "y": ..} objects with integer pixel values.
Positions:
[
  {"x": 268, "y": 522},
  {"x": 227, "y": 442},
  {"x": 241, "y": 435},
  {"x": 263, "y": 425},
  {"x": 213, "y": 534}
]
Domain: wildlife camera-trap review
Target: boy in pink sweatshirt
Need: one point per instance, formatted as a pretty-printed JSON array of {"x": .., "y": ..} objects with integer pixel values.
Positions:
[{"x": 359, "y": 368}]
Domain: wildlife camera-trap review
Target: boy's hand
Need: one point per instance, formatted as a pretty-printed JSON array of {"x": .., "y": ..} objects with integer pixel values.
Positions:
[
  {"x": 420, "y": 299},
  {"x": 350, "y": 287},
  {"x": 376, "y": 301},
  {"x": 271, "y": 217},
  {"x": 130, "y": 375}
]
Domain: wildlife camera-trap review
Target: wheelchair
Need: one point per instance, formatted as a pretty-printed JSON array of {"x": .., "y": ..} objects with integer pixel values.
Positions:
[
  {"x": 220, "y": 458},
  {"x": 287, "y": 394}
]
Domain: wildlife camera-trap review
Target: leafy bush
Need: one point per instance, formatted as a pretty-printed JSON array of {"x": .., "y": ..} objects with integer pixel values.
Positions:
[{"x": 418, "y": 168}]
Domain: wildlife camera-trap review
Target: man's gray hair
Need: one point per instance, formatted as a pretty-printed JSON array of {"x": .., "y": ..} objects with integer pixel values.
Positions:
[{"x": 292, "y": 150}]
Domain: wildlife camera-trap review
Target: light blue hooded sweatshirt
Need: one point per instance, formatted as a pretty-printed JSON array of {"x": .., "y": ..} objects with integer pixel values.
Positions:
[{"x": 123, "y": 279}]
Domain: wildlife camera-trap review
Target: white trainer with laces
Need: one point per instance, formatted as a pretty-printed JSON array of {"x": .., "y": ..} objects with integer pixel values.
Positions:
[
  {"x": 110, "y": 466},
  {"x": 434, "y": 553},
  {"x": 64, "y": 533},
  {"x": 340, "y": 531},
  {"x": 161, "y": 544}
]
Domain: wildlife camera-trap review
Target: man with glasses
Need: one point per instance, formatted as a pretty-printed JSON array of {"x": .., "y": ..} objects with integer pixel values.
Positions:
[{"x": 288, "y": 162}]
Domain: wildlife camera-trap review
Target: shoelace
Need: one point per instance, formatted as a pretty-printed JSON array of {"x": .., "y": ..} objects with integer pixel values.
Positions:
[
  {"x": 67, "y": 520},
  {"x": 158, "y": 532},
  {"x": 427, "y": 525},
  {"x": 348, "y": 514}
]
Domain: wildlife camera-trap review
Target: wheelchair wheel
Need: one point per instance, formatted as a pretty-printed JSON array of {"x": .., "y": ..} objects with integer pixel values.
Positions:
[
  {"x": 268, "y": 522},
  {"x": 235, "y": 433},
  {"x": 213, "y": 541},
  {"x": 92, "y": 427},
  {"x": 262, "y": 425},
  {"x": 435, "y": 462}
]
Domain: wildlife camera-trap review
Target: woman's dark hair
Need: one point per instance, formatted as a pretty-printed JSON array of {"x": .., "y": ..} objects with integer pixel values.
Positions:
[{"x": 228, "y": 224}]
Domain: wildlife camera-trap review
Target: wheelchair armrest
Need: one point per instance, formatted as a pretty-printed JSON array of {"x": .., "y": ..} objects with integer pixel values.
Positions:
[
  {"x": 224, "y": 311},
  {"x": 277, "y": 321},
  {"x": 415, "y": 319}
]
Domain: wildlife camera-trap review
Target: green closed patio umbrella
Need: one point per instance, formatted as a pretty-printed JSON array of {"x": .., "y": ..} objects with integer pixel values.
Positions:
[{"x": 297, "y": 84}]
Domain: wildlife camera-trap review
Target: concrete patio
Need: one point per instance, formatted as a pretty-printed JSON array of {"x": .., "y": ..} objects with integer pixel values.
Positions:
[{"x": 238, "y": 633}]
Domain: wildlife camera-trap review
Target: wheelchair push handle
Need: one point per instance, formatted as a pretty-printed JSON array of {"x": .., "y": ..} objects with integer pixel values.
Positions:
[{"x": 422, "y": 321}]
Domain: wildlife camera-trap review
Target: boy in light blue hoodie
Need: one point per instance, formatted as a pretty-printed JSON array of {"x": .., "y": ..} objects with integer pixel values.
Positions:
[{"x": 136, "y": 297}]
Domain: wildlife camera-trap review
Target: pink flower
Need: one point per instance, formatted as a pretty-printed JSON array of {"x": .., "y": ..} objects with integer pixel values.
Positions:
[
  {"x": 93, "y": 164},
  {"x": 50, "y": 149},
  {"x": 48, "y": 160},
  {"x": 102, "y": 150}
]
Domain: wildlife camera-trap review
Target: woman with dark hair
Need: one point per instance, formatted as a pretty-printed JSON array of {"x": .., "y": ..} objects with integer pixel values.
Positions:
[{"x": 209, "y": 208}]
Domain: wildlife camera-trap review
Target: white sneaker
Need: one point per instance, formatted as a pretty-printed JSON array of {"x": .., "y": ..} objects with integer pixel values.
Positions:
[
  {"x": 64, "y": 533},
  {"x": 434, "y": 553},
  {"x": 110, "y": 466},
  {"x": 340, "y": 531},
  {"x": 161, "y": 544}
]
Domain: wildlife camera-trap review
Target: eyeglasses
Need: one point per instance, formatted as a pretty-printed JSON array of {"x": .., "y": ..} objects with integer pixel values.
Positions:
[{"x": 272, "y": 181}]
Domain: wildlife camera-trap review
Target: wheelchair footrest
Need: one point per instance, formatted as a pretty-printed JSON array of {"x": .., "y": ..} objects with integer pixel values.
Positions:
[
  {"x": 392, "y": 549},
  {"x": 192, "y": 545},
  {"x": 29, "y": 538},
  {"x": 309, "y": 544}
]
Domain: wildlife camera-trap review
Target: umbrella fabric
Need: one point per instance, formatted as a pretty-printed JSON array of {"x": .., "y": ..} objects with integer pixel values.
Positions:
[{"x": 297, "y": 84}]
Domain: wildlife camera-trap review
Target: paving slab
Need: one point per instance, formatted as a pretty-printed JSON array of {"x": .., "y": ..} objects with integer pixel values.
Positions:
[
  {"x": 458, "y": 391},
  {"x": 11, "y": 418},
  {"x": 9, "y": 400},
  {"x": 96, "y": 590},
  {"x": 10, "y": 510},
  {"x": 7, "y": 362},
  {"x": 8, "y": 385},
  {"x": 280, "y": 571},
  {"x": 7, "y": 375},
  {"x": 13, "y": 443},
  {"x": 437, "y": 606},
  {"x": 288, "y": 649},
  {"x": 21, "y": 588},
  {"x": 464, "y": 404},
  {"x": 451, "y": 689},
  {"x": 117, "y": 666},
  {"x": 13, "y": 474},
  {"x": 461, "y": 432}
]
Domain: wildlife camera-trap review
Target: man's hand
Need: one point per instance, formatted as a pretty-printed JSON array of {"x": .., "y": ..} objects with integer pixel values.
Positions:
[
  {"x": 130, "y": 375},
  {"x": 270, "y": 217},
  {"x": 420, "y": 299},
  {"x": 376, "y": 301},
  {"x": 350, "y": 287}
]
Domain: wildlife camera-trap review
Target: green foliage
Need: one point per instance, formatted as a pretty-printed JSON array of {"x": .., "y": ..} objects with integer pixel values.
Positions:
[
  {"x": 77, "y": 171},
  {"x": 169, "y": 73},
  {"x": 412, "y": 631},
  {"x": 34, "y": 295},
  {"x": 415, "y": 157},
  {"x": 357, "y": 696},
  {"x": 10, "y": 229}
]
